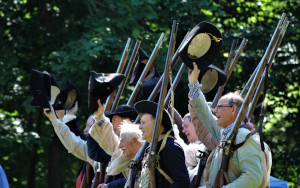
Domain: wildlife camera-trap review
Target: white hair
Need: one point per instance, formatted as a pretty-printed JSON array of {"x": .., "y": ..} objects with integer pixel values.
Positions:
[{"x": 131, "y": 130}]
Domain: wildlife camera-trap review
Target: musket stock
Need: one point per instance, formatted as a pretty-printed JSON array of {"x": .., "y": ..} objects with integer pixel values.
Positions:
[
  {"x": 126, "y": 74},
  {"x": 134, "y": 165},
  {"x": 146, "y": 69},
  {"x": 119, "y": 70}
]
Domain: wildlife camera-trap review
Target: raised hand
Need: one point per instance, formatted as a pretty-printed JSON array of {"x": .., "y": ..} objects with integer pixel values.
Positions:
[
  {"x": 50, "y": 113},
  {"x": 193, "y": 74},
  {"x": 73, "y": 110},
  {"x": 100, "y": 109}
]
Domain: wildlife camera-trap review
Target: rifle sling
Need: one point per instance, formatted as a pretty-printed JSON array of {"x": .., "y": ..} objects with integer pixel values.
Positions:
[{"x": 163, "y": 144}]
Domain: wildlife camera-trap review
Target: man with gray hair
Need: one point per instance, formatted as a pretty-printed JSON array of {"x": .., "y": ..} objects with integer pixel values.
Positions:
[{"x": 247, "y": 167}]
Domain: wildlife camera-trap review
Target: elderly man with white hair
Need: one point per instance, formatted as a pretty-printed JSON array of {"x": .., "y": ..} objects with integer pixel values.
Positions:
[{"x": 121, "y": 149}]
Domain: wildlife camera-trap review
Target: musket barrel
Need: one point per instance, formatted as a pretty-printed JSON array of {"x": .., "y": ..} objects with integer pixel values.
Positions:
[
  {"x": 270, "y": 60},
  {"x": 228, "y": 70},
  {"x": 120, "y": 68},
  {"x": 258, "y": 74},
  {"x": 146, "y": 69},
  {"x": 159, "y": 112},
  {"x": 127, "y": 72}
]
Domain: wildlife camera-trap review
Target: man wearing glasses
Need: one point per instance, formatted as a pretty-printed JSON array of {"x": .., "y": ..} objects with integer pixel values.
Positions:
[{"x": 247, "y": 166}]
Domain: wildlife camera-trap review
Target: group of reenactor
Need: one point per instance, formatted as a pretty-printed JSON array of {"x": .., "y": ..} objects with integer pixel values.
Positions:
[{"x": 148, "y": 144}]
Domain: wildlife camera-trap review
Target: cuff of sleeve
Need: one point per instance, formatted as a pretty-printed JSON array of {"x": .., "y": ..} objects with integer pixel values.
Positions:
[
  {"x": 68, "y": 117},
  {"x": 99, "y": 120},
  {"x": 194, "y": 90},
  {"x": 195, "y": 85}
]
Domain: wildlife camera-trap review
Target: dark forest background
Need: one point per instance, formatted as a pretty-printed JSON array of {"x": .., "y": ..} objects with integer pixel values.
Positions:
[{"x": 69, "y": 38}]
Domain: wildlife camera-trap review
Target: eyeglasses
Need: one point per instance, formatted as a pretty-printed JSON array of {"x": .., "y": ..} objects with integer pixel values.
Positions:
[{"x": 221, "y": 106}]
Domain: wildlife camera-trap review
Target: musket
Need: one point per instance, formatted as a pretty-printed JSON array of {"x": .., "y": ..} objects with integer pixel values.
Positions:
[
  {"x": 273, "y": 54},
  {"x": 228, "y": 70},
  {"x": 120, "y": 68},
  {"x": 195, "y": 183},
  {"x": 136, "y": 162},
  {"x": 159, "y": 112},
  {"x": 126, "y": 74},
  {"x": 175, "y": 58},
  {"x": 146, "y": 69},
  {"x": 100, "y": 174},
  {"x": 228, "y": 146}
]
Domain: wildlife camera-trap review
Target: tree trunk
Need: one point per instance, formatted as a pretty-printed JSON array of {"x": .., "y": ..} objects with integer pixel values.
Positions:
[{"x": 54, "y": 176}]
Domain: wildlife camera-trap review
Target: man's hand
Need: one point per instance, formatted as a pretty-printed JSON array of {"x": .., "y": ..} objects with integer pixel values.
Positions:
[
  {"x": 100, "y": 109},
  {"x": 50, "y": 113},
  {"x": 102, "y": 185},
  {"x": 193, "y": 74},
  {"x": 60, "y": 114},
  {"x": 73, "y": 110}
]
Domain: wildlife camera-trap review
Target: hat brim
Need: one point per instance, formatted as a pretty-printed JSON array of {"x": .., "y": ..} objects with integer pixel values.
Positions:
[
  {"x": 40, "y": 88},
  {"x": 67, "y": 97},
  {"x": 209, "y": 56},
  {"x": 211, "y": 77}
]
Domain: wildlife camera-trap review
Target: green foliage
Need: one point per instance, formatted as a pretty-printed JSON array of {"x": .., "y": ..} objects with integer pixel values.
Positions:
[{"x": 70, "y": 38}]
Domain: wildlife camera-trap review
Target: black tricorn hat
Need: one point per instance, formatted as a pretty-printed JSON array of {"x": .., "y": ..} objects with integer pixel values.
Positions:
[
  {"x": 43, "y": 87},
  {"x": 150, "y": 107},
  {"x": 124, "y": 111},
  {"x": 67, "y": 97},
  {"x": 202, "y": 45},
  {"x": 211, "y": 77},
  {"x": 101, "y": 85},
  {"x": 139, "y": 68}
]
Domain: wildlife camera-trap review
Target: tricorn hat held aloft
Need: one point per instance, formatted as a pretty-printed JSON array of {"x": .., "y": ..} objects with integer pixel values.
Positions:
[
  {"x": 43, "y": 87},
  {"x": 67, "y": 97},
  {"x": 202, "y": 45},
  {"x": 139, "y": 68},
  {"x": 101, "y": 85},
  {"x": 210, "y": 78}
]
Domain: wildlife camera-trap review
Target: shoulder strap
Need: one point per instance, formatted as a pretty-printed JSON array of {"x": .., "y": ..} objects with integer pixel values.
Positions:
[{"x": 163, "y": 144}]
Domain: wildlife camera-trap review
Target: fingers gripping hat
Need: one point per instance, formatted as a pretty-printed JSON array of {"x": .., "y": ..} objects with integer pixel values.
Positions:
[
  {"x": 139, "y": 68},
  {"x": 210, "y": 78},
  {"x": 43, "y": 87},
  {"x": 124, "y": 111},
  {"x": 67, "y": 97},
  {"x": 150, "y": 107},
  {"x": 202, "y": 45},
  {"x": 101, "y": 85}
]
